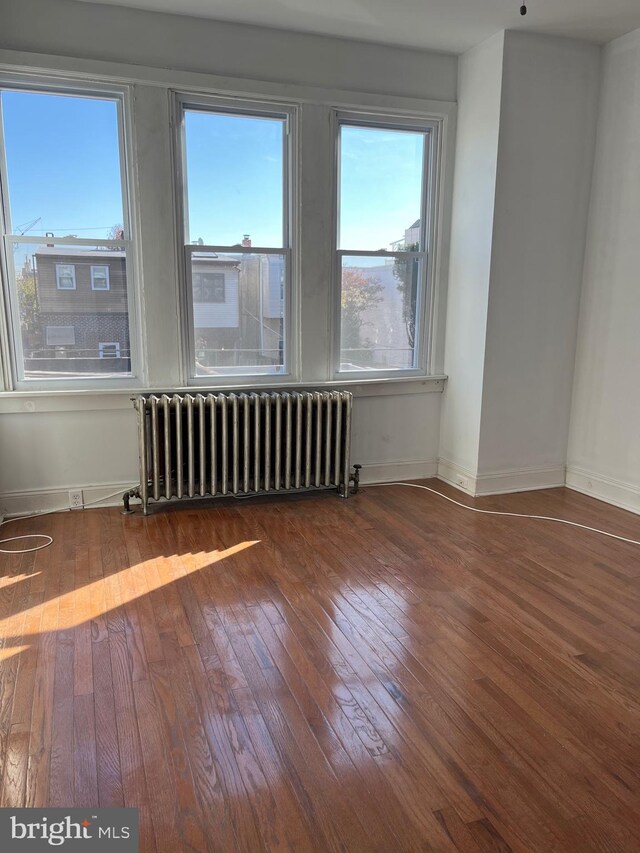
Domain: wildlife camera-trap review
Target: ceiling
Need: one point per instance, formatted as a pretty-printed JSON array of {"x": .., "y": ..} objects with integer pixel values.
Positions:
[{"x": 449, "y": 25}]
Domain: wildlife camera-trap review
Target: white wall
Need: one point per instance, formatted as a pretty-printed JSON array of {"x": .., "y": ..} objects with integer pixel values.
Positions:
[
  {"x": 479, "y": 99},
  {"x": 67, "y": 28},
  {"x": 604, "y": 444},
  {"x": 518, "y": 240},
  {"x": 49, "y": 443},
  {"x": 547, "y": 138}
]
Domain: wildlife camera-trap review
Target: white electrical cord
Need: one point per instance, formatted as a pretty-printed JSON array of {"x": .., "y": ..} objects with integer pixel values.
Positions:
[
  {"x": 49, "y": 539},
  {"x": 511, "y": 514}
]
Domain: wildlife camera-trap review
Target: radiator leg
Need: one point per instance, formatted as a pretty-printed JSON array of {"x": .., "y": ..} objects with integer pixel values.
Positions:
[{"x": 126, "y": 507}]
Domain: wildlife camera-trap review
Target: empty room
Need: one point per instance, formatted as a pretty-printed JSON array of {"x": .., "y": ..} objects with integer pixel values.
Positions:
[{"x": 320, "y": 426}]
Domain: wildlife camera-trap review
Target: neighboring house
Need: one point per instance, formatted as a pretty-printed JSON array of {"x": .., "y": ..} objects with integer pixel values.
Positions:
[
  {"x": 83, "y": 309},
  {"x": 238, "y": 309}
]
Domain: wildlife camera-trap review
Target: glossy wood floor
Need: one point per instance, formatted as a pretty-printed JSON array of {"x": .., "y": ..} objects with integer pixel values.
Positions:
[{"x": 388, "y": 673}]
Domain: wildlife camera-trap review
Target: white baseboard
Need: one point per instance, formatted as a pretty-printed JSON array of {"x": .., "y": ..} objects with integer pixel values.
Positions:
[
  {"x": 520, "y": 480},
  {"x": 110, "y": 494},
  {"x": 500, "y": 482},
  {"x": 616, "y": 492},
  {"x": 46, "y": 500},
  {"x": 388, "y": 472},
  {"x": 457, "y": 476}
]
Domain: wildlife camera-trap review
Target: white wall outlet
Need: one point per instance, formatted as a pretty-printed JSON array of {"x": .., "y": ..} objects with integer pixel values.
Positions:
[{"x": 76, "y": 499}]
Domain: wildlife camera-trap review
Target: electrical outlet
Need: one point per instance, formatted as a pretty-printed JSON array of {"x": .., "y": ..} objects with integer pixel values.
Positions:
[{"x": 76, "y": 500}]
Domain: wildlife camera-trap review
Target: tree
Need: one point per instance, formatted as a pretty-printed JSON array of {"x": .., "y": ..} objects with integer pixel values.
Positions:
[
  {"x": 116, "y": 232},
  {"x": 406, "y": 273},
  {"x": 359, "y": 294},
  {"x": 28, "y": 301}
]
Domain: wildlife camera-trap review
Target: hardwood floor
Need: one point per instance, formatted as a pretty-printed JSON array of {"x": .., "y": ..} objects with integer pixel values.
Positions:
[{"x": 379, "y": 674}]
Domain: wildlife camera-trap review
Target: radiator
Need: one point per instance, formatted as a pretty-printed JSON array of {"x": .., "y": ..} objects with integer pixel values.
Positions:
[{"x": 241, "y": 444}]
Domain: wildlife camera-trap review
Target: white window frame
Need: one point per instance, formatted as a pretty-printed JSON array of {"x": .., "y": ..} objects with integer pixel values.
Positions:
[
  {"x": 104, "y": 267},
  {"x": 59, "y": 275},
  {"x": 237, "y": 105},
  {"x": 425, "y": 314},
  {"x": 12, "y": 349}
]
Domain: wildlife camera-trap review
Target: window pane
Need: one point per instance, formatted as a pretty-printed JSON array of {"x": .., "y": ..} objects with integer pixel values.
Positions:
[
  {"x": 238, "y": 313},
  {"x": 378, "y": 313},
  {"x": 235, "y": 171},
  {"x": 63, "y": 164},
  {"x": 380, "y": 188},
  {"x": 63, "y": 330}
]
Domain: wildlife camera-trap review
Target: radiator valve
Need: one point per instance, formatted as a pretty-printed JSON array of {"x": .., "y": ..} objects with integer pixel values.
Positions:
[{"x": 126, "y": 507}]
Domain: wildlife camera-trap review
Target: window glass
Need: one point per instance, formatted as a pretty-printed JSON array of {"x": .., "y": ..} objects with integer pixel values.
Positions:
[
  {"x": 66, "y": 243},
  {"x": 381, "y": 258},
  {"x": 235, "y": 200}
]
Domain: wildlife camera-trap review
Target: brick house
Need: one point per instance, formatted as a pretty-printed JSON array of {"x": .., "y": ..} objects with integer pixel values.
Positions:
[{"x": 83, "y": 309}]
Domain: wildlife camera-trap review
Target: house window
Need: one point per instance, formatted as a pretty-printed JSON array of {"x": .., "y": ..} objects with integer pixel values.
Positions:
[
  {"x": 62, "y": 161},
  {"x": 208, "y": 287},
  {"x": 109, "y": 350},
  {"x": 236, "y": 218},
  {"x": 60, "y": 336},
  {"x": 100, "y": 277},
  {"x": 383, "y": 239},
  {"x": 65, "y": 277}
]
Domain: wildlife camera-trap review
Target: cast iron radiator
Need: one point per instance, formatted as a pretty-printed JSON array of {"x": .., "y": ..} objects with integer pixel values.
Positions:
[{"x": 241, "y": 444}]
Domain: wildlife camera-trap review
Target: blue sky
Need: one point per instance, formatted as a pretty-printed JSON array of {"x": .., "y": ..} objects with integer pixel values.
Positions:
[{"x": 63, "y": 167}]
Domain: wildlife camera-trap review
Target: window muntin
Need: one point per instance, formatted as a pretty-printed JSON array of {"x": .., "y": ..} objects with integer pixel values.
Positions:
[
  {"x": 383, "y": 236},
  {"x": 236, "y": 166},
  {"x": 65, "y": 277},
  {"x": 65, "y": 223},
  {"x": 100, "y": 277}
]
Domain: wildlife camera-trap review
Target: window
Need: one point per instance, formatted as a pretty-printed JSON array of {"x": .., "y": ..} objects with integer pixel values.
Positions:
[
  {"x": 65, "y": 230},
  {"x": 111, "y": 350},
  {"x": 99, "y": 278},
  {"x": 236, "y": 227},
  {"x": 60, "y": 336},
  {"x": 208, "y": 286},
  {"x": 65, "y": 277},
  {"x": 383, "y": 237}
]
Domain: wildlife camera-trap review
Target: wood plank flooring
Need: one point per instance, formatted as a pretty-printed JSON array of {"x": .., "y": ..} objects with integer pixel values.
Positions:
[{"x": 387, "y": 673}]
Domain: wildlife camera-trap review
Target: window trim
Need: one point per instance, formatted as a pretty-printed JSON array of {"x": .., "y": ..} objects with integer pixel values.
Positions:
[
  {"x": 426, "y": 320},
  {"x": 107, "y": 277},
  {"x": 59, "y": 276},
  {"x": 12, "y": 356},
  {"x": 238, "y": 105}
]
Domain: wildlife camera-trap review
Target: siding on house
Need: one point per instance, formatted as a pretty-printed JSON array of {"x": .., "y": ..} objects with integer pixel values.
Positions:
[{"x": 82, "y": 300}]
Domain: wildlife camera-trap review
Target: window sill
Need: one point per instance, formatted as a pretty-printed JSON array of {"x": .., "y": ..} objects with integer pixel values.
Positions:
[{"x": 20, "y": 402}]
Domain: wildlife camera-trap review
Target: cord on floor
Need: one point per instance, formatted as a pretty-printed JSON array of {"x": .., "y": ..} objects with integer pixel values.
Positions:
[
  {"x": 45, "y": 536},
  {"x": 510, "y": 514}
]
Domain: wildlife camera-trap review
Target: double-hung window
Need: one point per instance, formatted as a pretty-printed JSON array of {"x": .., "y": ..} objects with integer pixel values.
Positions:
[
  {"x": 66, "y": 233},
  {"x": 384, "y": 237},
  {"x": 235, "y": 183},
  {"x": 100, "y": 277},
  {"x": 65, "y": 277}
]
